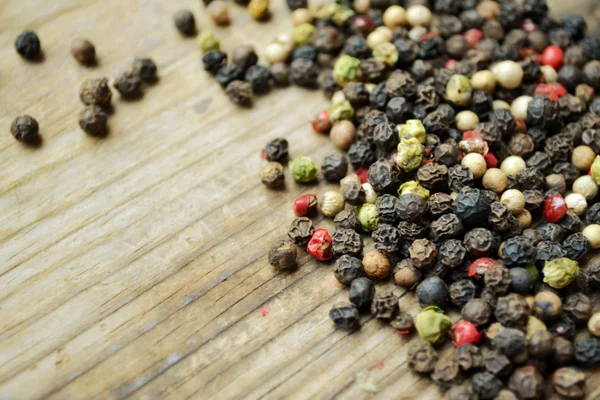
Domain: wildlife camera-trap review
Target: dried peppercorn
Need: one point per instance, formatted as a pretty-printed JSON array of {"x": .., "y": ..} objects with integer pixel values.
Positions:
[
  {"x": 92, "y": 119},
  {"x": 511, "y": 342},
  {"x": 28, "y": 45},
  {"x": 259, "y": 78},
  {"x": 476, "y": 311},
  {"x": 334, "y": 167},
  {"x": 304, "y": 73},
  {"x": 280, "y": 72},
  {"x": 527, "y": 383},
  {"x": 576, "y": 246},
  {"x": 406, "y": 274},
  {"x": 540, "y": 344},
  {"x": 384, "y": 306},
  {"x": 95, "y": 92},
  {"x": 128, "y": 84},
  {"x": 468, "y": 357},
  {"x": 551, "y": 232},
  {"x": 376, "y": 265},
  {"x": 320, "y": 245},
  {"x": 185, "y": 22},
  {"x": 471, "y": 206},
  {"x": 344, "y": 315},
  {"x": 423, "y": 253},
  {"x": 563, "y": 326},
  {"x": 547, "y": 306},
  {"x": 361, "y": 154},
  {"x": 83, "y": 51},
  {"x": 497, "y": 280},
  {"x": 518, "y": 251},
  {"x": 387, "y": 238},
  {"x": 347, "y": 269},
  {"x": 432, "y": 325},
  {"x": 479, "y": 242},
  {"x": 569, "y": 382},
  {"x": 563, "y": 351},
  {"x": 521, "y": 280},
  {"x": 587, "y": 352},
  {"x": 283, "y": 255},
  {"x": 448, "y": 226},
  {"x": 411, "y": 207},
  {"x": 272, "y": 175},
  {"x": 512, "y": 310},
  {"x": 578, "y": 307},
  {"x": 346, "y": 241},
  {"x": 485, "y": 385},
  {"x": 213, "y": 61},
  {"x": 422, "y": 357},
  {"x": 446, "y": 373},
  {"x": 432, "y": 291},
  {"x": 452, "y": 253},
  {"x": 301, "y": 231},
  {"x": 277, "y": 150},
  {"x": 497, "y": 364},
  {"x": 439, "y": 204},
  {"x": 362, "y": 291},
  {"x": 240, "y": 93},
  {"x": 145, "y": 69},
  {"x": 25, "y": 129},
  {"x": 560, "y": 273}
]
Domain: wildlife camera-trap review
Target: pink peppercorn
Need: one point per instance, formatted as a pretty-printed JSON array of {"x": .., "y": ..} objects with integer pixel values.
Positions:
[
  {"x": 363, "y": 25},
  {"x": 464, "y": 332},
  {"x": 490, "y": 160},
  {"x": 320, "y": 244},
  {"x": 553, "y": 56},
  {"x": 321, "y": 123},
  {"x": 304, "y": 204},
  {"x": 450, "y": 64},
  {"x": 480, "y": 266},
  {"x": 363, "y": 174},
  {"x": 555, "y": 208},
  {"x": 552, "y": 90},
  {"x": 473, "y": 36}
]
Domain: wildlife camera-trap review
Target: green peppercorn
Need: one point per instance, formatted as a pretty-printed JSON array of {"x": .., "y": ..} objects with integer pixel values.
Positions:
[
  {"x": 303, "y": 169},
  {"x": 207, "y": 42},
  {"x": 596, "y": 170},
  {"x": 413, "y": 187},
  {"x": 414, "y": 128},
  {"x": 341, "y": 111},
  {"x": 386, "y": 53},
  {"x": 346, "y": 70},
  {"x": 458, "y": 90},
  {"x": 432, "y": 325},
  {"x": 302, "y": 34},
  {"x": 368, "y": 217},
  {"x": 410, "y": 154},
  {"x": 561, "y": 272}
]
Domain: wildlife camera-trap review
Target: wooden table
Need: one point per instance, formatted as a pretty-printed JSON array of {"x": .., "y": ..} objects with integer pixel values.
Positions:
[{"x": 136, "y": 265}]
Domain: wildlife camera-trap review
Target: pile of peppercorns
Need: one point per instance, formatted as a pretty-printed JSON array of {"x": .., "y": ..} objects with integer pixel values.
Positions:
[{"x": 473, "y": 131}]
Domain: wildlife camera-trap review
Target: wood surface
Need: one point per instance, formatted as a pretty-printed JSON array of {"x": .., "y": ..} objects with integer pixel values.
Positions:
[{"x": 135, "y": 265}]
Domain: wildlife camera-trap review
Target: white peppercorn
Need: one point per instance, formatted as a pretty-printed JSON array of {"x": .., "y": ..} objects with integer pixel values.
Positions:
[
  {"x": 343, "y": 134},
  {"x": 484, "y": 80},
  {"x": 514, "y": 200},
  {"x": 592, "y": 234},
  {"x": 466, "y": 120},
  {"x": 583, "y": 157},
  {"x": 509, "y": 74},
  {"x": 518, "y": 108},
  {"x": 418, "y": 15},
  {"x": 476, "y": 163},
  {"x": 512, "y": 165},
  {"x": 576, "y": 203},
  {"x": 497, "y": 104},
  {"x": 301, "y": 16},
  {"x": 585, "y": 186},
  {"x": 495, "y": 180},
  {"x": 549, "y": 74},
  {"x": 382, "y": 34},
  {"x": 525, "y": 218},
  {"x": 332, "y": 203},
  {"x": 218, "y": 11},
  {"x": 370, "y": 194},
  {"x": 395, "y": 16}
]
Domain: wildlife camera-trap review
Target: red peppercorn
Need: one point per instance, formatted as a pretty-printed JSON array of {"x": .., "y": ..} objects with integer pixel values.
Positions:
[
  {"x": 262, "y": 154},
  {"x": 490, "y": 160},
  {"x": 304, "y": 204},
  {"x": 555, "y": 208},
  {"x": 464, "y": 332},
  {"x": 363, "y": 174},
  {"x": 553, "y": 56},
  {"x": 319, "y": 245},
  {"x": 552, "y": 90},
  {"x": 480, "y": 266},
  {"x": 450, "y": 64},
  {"x": 473, "y": 36},
  {"x": 363, "y": 25},
  {"x": 321, "y": 123},
  {"x": 529, "y": 26},
  {"x": 521, "y": 126},
  {"x": 529, "y": 52}
]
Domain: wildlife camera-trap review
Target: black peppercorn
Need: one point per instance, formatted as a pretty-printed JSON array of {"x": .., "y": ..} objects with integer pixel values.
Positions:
[
  {"x": 587, "y": 352},
  {"x": 576, "y": 246},
  {"x": 362, "y": 291},
  {"x": 373, "y": 70},
  {"x": 548, "y": 251},
  {"x": 95, "y": 92},
  {"x": 547, "y": 306},
  {"x": 497, "y": 280},
  {"x": 530, "y": 178},
  {"x": 439, "y": 204},
  {"x": 421, "y": 356},
  {"x": 432, "y": 291},
  {"x": 412, "y": 230},
  {"x": 277, "y": 150},
  {"x": 567, "y": 170},
  {"x": 347, "y": 268},
  {"x": 344, "y": 315},
  {"x": 497, "y": 363},
  {"x": 387, "y": 209},
  {"x": 334, "y": 167},
  {"x": 328, "y": 40},
  {"x": 304, "y": 73},
  {"x": 346, "y": 219},
  {"x": 468, "y": 357},
  {"x": 510, "y": 341},
  {"x": 527, "y": 383},
  {"x": 259, "y": 78},
  {"x": 145, "y": 69},
  {"x": 28, "y": 45},
  {"x": 283, "y": 255},
  {"x": 387, "y": 238},
  {"x": 512, "y": 310},
  {"x": 479, "y": 242},
  {"x": 551, "y": 232},
  {"x": 128, "y": 84},
  {"x": 92, "y": 119},
  {"x": 452, "y": 253},
  {"x": 476, "y": 311},
  {"x": 301, "y": 231},
  {"x": 25, "y": 129},
  {"x": 532, "y": 235},
  {"x": 569, "y": 382},
  {"x": 384, "y": 306},
  {"x": 185, "y": 22},
  {"x": 384, "y": 176},
  {"x": 352, "y": 190},
  {"x": 564, "y": 327},
  {"x": 400, "y": 84},
  {"x": 521, "y": 280},
  {"x": 563, "y": 350},
  {"x": 423, "y": 253},
  {"x": 485, "y": 385},
  {"x": 362, "y": 154},
  {"x": 471, "y": 206},
  {"x": 229, "y": 73},
  {"x": 446, "y": 373},
  {"x": 411, "y": 207},
  {"x": 578, "y": 307},
  {"x": 346, "y": 241},
  {"x": 448, "y": 226},
  {"x": 433, "y": 176},
  {"x": 518, "y": 251},
  {"x": 325, "y": 81},
  {"x": 240, "y": 93},
  {"x": 406, "y": 274},
  {"x": 213, "y": 61},
  {"x": 540, "y": 345},
  {"x": 447, "y": 154},
  {"x": 397, "y": 108},
  {"x": 461, "y": 292}
]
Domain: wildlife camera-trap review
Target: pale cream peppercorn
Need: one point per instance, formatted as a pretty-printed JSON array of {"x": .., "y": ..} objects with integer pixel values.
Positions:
[
  {"x": 394, "y": 16},
  {"x": 518, "y": 108},
  {"x": 592, "y": 234},
  {"x": 585, "y": 186},
  {"x": 512, "y": 165},
  {"x": 583, "y": 157},
  {"x": 276, "y": 52},
  {"x": 495, "y": 180},
  {"x": 593, "y": 324},
  {"x": 370, "y": 194},
  {"x": 417, "y": 33},
  {"x": 524, "y": 218},
  {"x": 338, "y": 97},
  {"x": 382, "y": 34},
  {"x": 466, "y": 120},
  {"x": 301, "y": 16},
  {"x": 497, "y": 104},
  {"x": 509, "y": 74},
  {"x": 418, "y": 15},
  {"x": 258, "y": 9},
  {"x": 556, "y": 182},
  {"x": 476, "y": 163},
  {"x": 218, "y": 11},
  {"x": 332, "y": 203},
  {"x": 487, "y": 9},
  {"x": 361, "y": 6},
  {"x": 549, "y": 74},
  {"x": 576, "y": 203},
  {"x": 484, "y": 80},
  {"x": 514, "y": 200},
  {"x": 343, "y": 134}
]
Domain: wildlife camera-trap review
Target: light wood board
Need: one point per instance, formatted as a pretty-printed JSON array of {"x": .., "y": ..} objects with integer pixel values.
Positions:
[{"x": 135, "y": 265}]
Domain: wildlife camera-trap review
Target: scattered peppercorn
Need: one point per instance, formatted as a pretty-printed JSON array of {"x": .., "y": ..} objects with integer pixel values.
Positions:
[
  {"x": 25, "y": 129},
  {"x": 344, "y": 315},
  {"x": 95, "y": 92},
  {"x": 83, "y": 51},
  {"x": 272, "y": 175},
  {"x": 362, "y": 292},
  {"x": 92, "y": 119},
  {"x": 28, "y": 45},
  {"x": 283, "y": 255},
  {"x": 128, "y": 84},
  {"x": 185, "y": 22}
]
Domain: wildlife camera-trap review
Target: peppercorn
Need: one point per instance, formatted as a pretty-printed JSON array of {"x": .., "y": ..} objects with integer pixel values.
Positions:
[
  {"x": 208, "y": 42},
  {"x": 347, "y": 269},
  {"x": 512, "y": 165},
  {"x": 277, "y": 150},
  {"x": 213, "y": 61},
  {"x": 25, "y": 129},
  {"x": 368, "y": 217},
  {"x": 461, "y": 292},
  {"x": 569, "y": 382},
  {"x": 423, "y": 253},
  {"x": 547, "y": 306},
  {"x": 476, "y": 311},
  {"x": 468, "y": 357},
  {"x": 320, "y": 245},
  {"x": 280, "y": 73},
  {"x": 563, "y": 350},
  {"x": 283, "y": 255},
  {"x": 485, "y": 385},
  {"x": 95, "y": 92},
  {"x": 240, "y": 93},
  {"x": 128, "y": 84},
  {"x": 471, "y": 206},
  {"x": 587, "y": 189},
  {"x": 576, "y": 246},
  {"x": 527, "y": 383},
  {"x": 387, "y": 238},
  {"x": 301, "y": 231},
  {"x": 303, "y": 169},
  {"x": 432, "y": 325},
  {"x": 593, "y": 324},
  {"x": 512, "y": 310},
  {"x": 561, "y": 272},
  {"x": 384, "y": 306},
  {"x": 376, "y": 265},
  {"x": 344, "y": 315},
  {"x": 185, "y": 22},
  {"x": 521, "y": 280},
  {"x": 446, "y": 373},
  {"x": 406, "y": 274},
  {"x": 352, "y": 190},
  {"x": 497, "y": 280},
  {"x": 362, "y": 291},
  {"x": 28, "y": 45},
  {"x": 346, "y": 241},
  {"x": 518, "y": 251},
  {"x": 479, "y": 242},
  {"x": 510, "y": 341},
  {"x": 272, "y": 175},
  {"x": 421, "y": 356},
  {"x": 334, "y": 167},
  {"x": 92, "y": 119},
  {"x": 587, "y": 352},
  {"x": 83, "y": 51},
  {"x": 578, "y": 307},
  {"x": 432, "y": 291}
]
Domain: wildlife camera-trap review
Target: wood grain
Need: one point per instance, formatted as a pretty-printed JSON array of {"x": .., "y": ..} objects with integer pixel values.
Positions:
[{"x": 136, "y": 265}]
